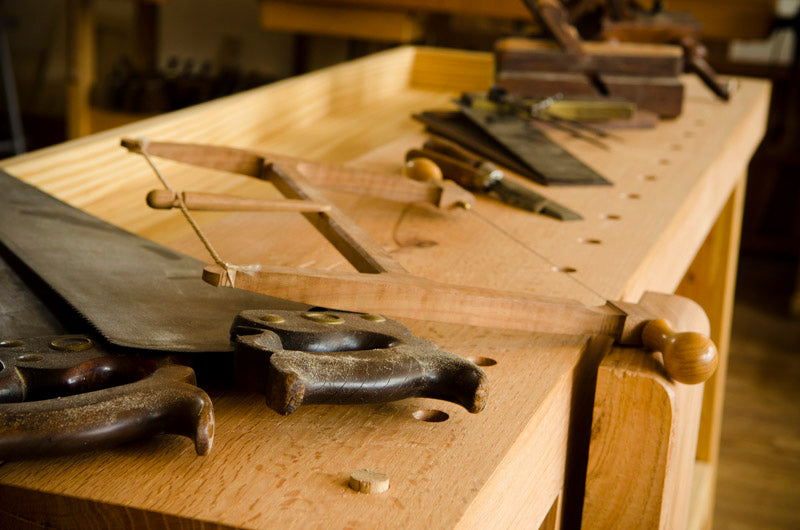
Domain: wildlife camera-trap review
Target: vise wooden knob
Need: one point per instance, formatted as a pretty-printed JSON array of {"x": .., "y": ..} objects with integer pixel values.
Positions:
[{"x": 689, "y": 357}]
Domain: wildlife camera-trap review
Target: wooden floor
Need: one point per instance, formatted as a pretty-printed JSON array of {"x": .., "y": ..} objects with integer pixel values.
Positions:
[{"x": 759, "y": 472}]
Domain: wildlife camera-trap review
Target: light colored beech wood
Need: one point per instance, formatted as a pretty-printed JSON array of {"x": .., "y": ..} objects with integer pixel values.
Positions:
[
  {"x": 553, "y": 519},
  {"x": 501, "y": 467},
  {"x": 649, "y": 445},
  {"x": 711, "y": 281},
  {"x": 349, "y": 239},
  {"x": 373, "y": 183},
  {"x": 268, "y": 470},
  {"x": 702, "y": 497},
  {"x": 366, "y": 481}
]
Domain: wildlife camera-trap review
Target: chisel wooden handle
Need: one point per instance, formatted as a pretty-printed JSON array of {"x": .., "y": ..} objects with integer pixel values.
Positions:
[
  {"x": 216, "y": 202},
  {"x": 422, "y": 170},
  {"x": 461, "y": 173},
  {"x": 454, "y": 150}
]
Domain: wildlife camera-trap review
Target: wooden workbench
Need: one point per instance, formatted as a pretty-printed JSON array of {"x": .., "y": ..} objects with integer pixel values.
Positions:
[{"x": 669, "y": 222}]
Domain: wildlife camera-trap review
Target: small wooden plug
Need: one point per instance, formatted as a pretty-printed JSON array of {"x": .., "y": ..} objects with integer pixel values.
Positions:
[{"x": 366, "y": 481}]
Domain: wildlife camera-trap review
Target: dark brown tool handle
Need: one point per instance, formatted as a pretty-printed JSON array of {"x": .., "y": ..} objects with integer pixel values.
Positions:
[
  {"x": 373, "y": 376},
  {"x": 166, "y": 402},
  {"x": 556, "y": 18},
  {"x": 697, "y": 62},
  {"x": 336, "y": 357},
  {"x": 453, "y": 150},
  {"x": 463, "y": 174}
]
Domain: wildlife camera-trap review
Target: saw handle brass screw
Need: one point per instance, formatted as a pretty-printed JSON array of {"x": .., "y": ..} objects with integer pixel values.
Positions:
[{"x": 689, "y": 357}]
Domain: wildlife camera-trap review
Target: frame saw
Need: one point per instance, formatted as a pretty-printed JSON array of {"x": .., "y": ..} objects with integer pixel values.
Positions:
[{"x": 381, "y": 285}]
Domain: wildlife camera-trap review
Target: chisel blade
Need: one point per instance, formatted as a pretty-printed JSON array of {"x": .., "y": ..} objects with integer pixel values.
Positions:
[{"x": 517, "y": 195}]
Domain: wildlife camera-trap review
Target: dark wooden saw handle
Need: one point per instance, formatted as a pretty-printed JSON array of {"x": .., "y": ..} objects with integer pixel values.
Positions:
[
  {"x": 164, "y": 401},
  {"x": 335, "y": 357}
]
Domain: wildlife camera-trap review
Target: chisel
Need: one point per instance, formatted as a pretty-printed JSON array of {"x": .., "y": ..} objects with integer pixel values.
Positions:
[{"x": 479, "y": 175}]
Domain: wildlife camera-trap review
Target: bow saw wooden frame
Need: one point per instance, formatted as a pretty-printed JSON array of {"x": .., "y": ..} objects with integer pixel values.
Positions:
[{"x": 381, "y": 285}]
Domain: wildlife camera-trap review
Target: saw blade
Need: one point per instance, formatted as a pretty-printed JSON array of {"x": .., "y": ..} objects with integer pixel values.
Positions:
[
  {"x": 135, "y": 292},
  {"x": 556, "y": 165}
]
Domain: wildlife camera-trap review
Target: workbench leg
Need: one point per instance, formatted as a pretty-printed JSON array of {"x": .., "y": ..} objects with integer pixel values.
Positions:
[
  {"x": 553, "y": 519},
  {"x": 80, "y": 66},
  {"x": 711, "y": 281},
  {"x": 642, "y": 445},
  {"x": 652, "y": 438}
]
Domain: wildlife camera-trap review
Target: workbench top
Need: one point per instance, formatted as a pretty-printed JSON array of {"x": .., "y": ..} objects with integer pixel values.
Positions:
[{"x": 505, "y": 465}]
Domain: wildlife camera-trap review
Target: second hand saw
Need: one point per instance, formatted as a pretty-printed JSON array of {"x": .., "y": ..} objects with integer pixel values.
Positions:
[{"x": 150, "y": 315}]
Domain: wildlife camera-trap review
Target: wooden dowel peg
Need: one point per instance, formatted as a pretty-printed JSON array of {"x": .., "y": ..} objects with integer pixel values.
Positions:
[
  {"x": 366, "y": 481},
  {"x": 689, "y": 357},
  {"x": 165, "y": 200}
]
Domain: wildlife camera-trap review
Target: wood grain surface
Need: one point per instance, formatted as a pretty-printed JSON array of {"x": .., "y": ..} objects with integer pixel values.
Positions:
[
  {"x": 292, "y": 472},
  {"x": 505, "y": 465},
  {"x": 628, "y": 437}
]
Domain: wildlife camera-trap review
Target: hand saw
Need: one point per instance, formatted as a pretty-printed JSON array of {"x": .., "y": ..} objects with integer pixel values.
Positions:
[
  {"x": 148, "y": 312},
  {"x": 383, "y": 285}
]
